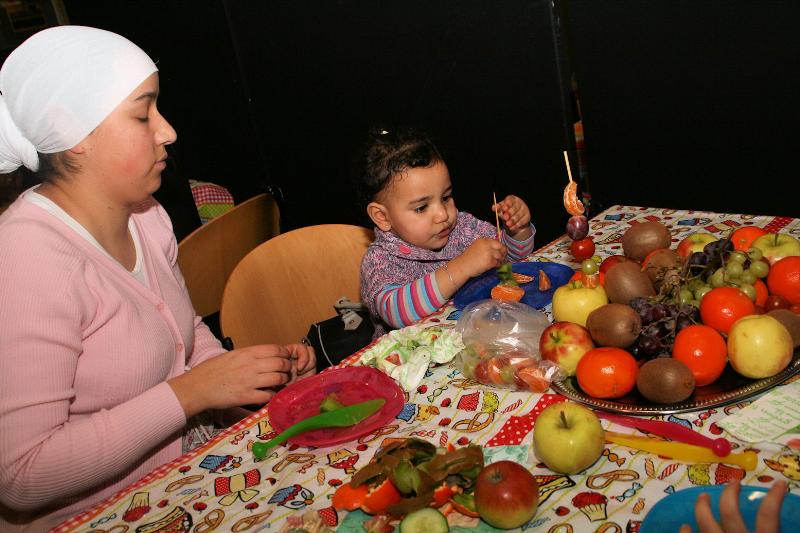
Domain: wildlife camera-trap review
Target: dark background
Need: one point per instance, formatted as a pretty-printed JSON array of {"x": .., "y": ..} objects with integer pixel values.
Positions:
[{"x": 684, "y": 105}]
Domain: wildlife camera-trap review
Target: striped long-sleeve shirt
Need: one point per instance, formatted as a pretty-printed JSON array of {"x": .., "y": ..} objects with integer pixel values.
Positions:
[{"x": 398, "y": 284}]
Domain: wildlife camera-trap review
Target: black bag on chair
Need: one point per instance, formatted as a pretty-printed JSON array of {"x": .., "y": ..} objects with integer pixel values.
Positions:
[{"x": 338, "y": 337}]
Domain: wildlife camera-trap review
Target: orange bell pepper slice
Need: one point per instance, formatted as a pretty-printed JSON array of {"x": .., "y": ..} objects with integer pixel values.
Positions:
[
  {"x": 380, "y": 498},
  {"x": 349, "y": 498}
]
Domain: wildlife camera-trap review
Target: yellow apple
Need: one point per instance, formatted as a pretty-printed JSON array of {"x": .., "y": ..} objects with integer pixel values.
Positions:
[
  {"x": 573, "y": 302},
  {"x": 568, "y": 437},
  {"x": 759, "y": 346},
  {"x": 776, "y": 246}
]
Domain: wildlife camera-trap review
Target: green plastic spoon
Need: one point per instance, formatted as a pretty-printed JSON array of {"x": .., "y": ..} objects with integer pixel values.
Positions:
[{"x": 339, "y": 418}]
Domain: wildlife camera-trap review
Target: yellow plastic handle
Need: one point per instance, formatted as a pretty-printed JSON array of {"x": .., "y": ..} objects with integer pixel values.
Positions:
[{"x": 683, "y": 452}]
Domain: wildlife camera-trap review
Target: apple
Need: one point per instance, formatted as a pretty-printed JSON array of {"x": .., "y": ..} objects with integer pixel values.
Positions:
[
  {"x": 610, "y": 261},
  {"x": 564, "y": 343},
  {"x": 776, "y": 246},
  {"x": 573, "y": 302},
  {"x": 568, "y": 437},
  {"x": 759, "y": 346},
  {"x": 694, "y": 242},
  {"x": 506, "y": 495}
]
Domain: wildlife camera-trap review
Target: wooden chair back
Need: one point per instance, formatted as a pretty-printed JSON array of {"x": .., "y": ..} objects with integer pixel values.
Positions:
[
  {"x": 291, "y": 281},
  {"x": 208, "y": 255}
]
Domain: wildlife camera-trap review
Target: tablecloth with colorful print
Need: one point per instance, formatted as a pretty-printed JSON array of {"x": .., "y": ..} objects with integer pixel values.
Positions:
[{"x": 221, "y": 487}]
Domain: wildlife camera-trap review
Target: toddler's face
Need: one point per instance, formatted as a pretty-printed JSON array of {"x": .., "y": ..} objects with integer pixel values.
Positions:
[{"x": 419, "y": 206}]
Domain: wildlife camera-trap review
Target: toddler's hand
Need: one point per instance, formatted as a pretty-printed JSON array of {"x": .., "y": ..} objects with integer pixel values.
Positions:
[
  {"x": 767, "y": 518},
  {"x": 482, "y": 255},
  {"x": 515, "y": 215}
]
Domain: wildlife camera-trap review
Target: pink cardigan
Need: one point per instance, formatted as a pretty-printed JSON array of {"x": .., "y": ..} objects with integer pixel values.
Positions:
[{"x": 85, "y": 350}]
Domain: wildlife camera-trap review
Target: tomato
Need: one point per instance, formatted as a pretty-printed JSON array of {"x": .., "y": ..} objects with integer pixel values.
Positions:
[
  {"x": 349, "y": 498},
  {"x": 482, "y": 372},
  {"x": 582, "y": 249}
]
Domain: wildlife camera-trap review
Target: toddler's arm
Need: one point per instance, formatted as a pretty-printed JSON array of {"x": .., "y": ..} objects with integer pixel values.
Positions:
[{"x": 402, "y": 305}]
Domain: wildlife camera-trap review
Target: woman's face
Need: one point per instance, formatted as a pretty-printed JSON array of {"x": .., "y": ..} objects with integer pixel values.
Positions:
[
  {"x": 127, "y": 151},
  {"x": 419, "y": 207}
]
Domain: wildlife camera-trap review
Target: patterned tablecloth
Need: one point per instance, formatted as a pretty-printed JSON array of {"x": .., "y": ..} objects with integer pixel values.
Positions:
[{"x": 221, "y": 487}]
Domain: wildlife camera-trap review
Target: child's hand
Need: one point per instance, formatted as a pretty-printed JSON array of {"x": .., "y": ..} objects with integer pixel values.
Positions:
[
  {"x": 482, "y": 255},
  {"x": 515, "y": 215},
  {"x": 304, "y": 361},
  {"x": 767, "y": 518}
]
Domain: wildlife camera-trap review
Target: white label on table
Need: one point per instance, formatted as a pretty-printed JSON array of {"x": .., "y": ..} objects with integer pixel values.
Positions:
[{"x": 769, "y": 417}]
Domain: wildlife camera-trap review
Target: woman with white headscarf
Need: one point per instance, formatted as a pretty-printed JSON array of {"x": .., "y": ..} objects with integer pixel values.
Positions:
[{"x": 102, "y": 358}]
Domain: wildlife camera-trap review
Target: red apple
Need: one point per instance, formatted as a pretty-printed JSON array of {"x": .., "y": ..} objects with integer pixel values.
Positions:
[
  {"x": 610, "y": 261},
  {"x": 506, "y": 495},
  {"x": 564, "y": 343},
  {"x": 694, "y": 242}
]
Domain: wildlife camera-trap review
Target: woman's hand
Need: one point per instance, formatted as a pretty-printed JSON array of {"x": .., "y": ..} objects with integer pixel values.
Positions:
[
  {"x": 239, "y": 377},
  {"x": 767, "y": 519},
  {"x": 304, "y": 361},
  {"x": 515, "y": 215}
]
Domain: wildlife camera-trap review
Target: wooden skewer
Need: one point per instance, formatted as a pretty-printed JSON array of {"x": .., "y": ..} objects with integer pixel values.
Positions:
[
  {"x": 496, "y": 216},
  {"x": 566, "y": 160}
]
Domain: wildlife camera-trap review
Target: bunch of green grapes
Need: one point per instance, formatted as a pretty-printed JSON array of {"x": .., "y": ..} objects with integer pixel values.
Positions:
[{"x": 719, "y": 265}]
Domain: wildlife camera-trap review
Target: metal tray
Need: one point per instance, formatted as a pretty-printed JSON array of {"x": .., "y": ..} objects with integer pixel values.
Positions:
[{"x": 729, "y": 388}]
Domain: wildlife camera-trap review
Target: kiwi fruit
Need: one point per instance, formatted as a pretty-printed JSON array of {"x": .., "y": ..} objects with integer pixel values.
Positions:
[
  {"x": 790, "y": 320},
  {"x": 614, "y": 325},
  {"x": 661, "y": 265},
  {"x": 625, "y": 281},
  {"x": 644, "y": 237},
  {"x": 665, "y": 380}
]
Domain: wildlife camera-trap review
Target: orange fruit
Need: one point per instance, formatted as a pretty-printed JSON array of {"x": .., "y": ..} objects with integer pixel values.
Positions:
[
  {"x": 607, "y": 372},
  {"x": 507, "y": 293},
  {"x": 703, "y": 350},
  {"x": 742, "y": 238},
  {"x": 723, "y": 306},
  {"x": 761, "y": 293},
  {"x": 784, "y": 278}
]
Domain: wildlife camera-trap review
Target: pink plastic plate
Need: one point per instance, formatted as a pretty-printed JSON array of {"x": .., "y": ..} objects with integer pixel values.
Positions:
[{"x": 353, "y": 384}]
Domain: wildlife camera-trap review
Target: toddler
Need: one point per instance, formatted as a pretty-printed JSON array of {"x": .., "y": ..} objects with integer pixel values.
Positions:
[{"x": 424, "y": 248}]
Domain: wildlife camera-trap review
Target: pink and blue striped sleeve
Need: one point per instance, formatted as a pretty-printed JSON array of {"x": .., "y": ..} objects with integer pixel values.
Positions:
[
  {"x": 402, "y": 305},
  {"x": 519, "y": 249}
]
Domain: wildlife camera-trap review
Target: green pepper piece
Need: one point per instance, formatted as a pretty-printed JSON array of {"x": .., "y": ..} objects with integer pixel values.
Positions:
[{"x": 330, "y": 403}]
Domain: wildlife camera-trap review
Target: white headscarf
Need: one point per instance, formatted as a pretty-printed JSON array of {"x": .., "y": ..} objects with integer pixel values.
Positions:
[{"x": 59, "y": 85}]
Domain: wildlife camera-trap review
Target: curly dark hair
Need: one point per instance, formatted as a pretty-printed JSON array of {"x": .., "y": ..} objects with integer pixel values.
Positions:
[{"x": 388, "y": 152}]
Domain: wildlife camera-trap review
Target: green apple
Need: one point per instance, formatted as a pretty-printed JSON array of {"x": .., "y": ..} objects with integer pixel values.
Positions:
[
  {"x": 573, "y": 302},
  {"x": 759, "y": 346},
  {"x": 568, "y": 437},
  {"x": 776, "y": 246},
  {"x": 694, "y": 242}
]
